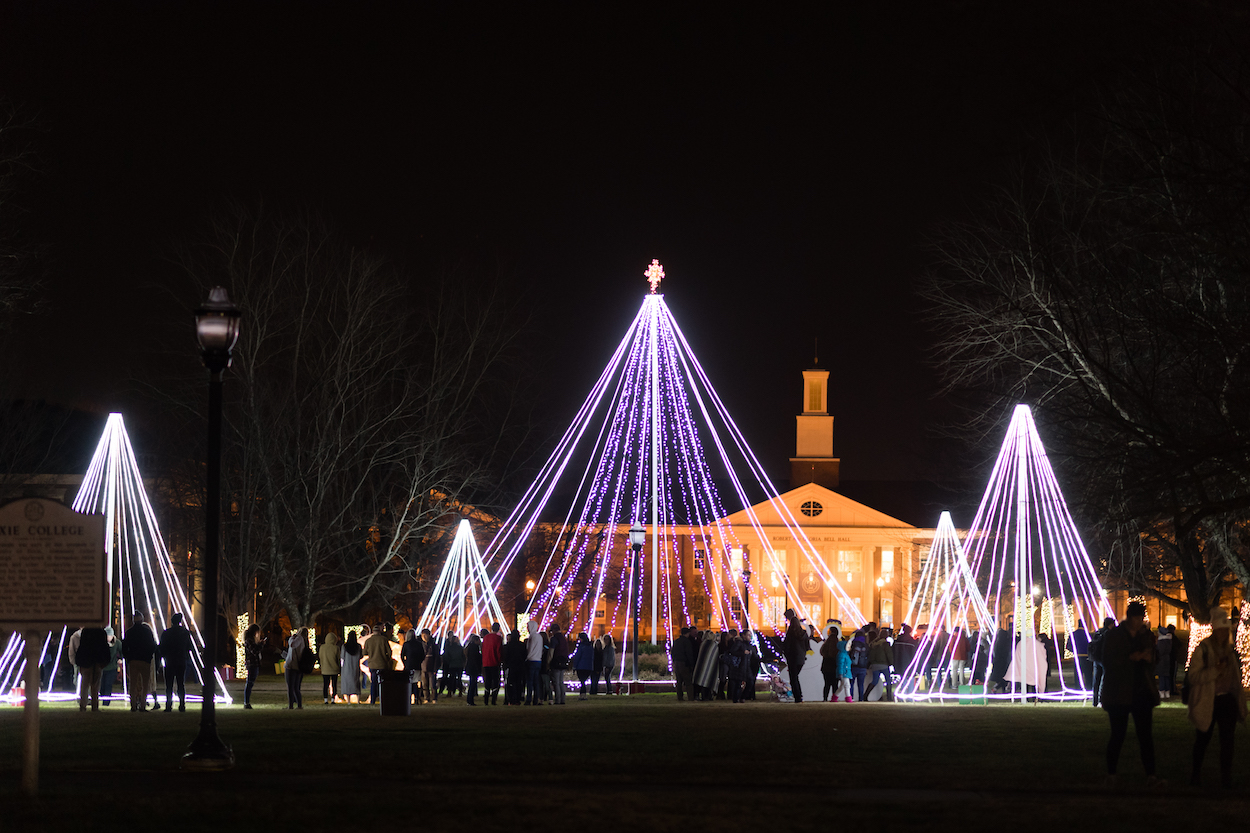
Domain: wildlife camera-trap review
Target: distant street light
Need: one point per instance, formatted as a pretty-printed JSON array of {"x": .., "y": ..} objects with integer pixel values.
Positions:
[
  {"x": 217, "y": 328},
  {"x": 637, "y": 538}
]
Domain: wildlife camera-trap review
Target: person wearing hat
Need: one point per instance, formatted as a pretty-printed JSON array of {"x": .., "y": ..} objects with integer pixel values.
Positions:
[
  {"x": 1215, "y": 696},
  {"x": 1128, "y": 689},
  {"x": 110, "y": 669}
]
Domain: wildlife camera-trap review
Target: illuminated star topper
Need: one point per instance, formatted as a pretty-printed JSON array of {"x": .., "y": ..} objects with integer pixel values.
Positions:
[{"x": 654, "y": 274}]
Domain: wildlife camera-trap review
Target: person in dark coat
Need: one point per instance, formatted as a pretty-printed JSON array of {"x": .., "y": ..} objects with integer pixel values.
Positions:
[
  {"x": 430, "y": 665},
  {"x": 453, "y": 666},
  {"x": 251, "y": 660},
  {"x": 1128, "y": 689},
  {"x": 739, "y": 668},
  {"x": 559, "y": 662},
  {"x": 795, "y": 648},
  {"x": 683, "y": 664},
  {"x": 473, "y": 664},
  {"x": 829, "y": 664},
  {"x": 1001, "y": 660},
  {"x": 1096, "y": 644},
  {"x": 514, "y": 658},
  {"x": 1163, "y": 667},
  {"x": 904, "y": 652},
  {"x": 174, "y": 650},
  {"x": 597, "y": 671},
  {"x": 91, "y": 657},
  {"x": 138, "y": 649},
  {"x": 412, "y": 655},
  {"x": 753, "y": 656}
]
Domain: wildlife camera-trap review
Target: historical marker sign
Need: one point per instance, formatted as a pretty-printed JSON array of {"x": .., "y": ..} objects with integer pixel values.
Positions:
[{"x": 51, "y": 566}]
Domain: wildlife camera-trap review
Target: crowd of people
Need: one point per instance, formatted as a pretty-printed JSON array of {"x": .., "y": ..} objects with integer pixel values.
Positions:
[
  {"x": 96, "y": 655},
  {"x": 1129, "y": 668}
]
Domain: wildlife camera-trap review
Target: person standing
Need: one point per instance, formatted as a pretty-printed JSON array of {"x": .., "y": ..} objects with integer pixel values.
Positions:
[
  {"x": 794, "y": 646},
  {"x": 430, "y": 665},
  {"x": 329, "y": 658},
  {"x": 958, "y": 649},
  {"x": 175, "y": 648},
  {"x": 91, "y": 655},
  {"x": 533, "y": 664},
  {"x": 683, "y": 664},
  {"x": 1000, "y": 652},
  {"x": 453, "y": 666},
  {"x": 609, "y": 661},
  {"x": 109, "y": 676},
  {"x": 514, "y": 654},
  {"x": 1216, "y": 696},
  {"x": 377, "y": 650},
  {"x": 296, "y": 647},
  {"x": 1078, "y": 644},
  {"x": 904, "y": 651},
  {"x": 858, "y": 654},
  {"x": 349, "y": 669},
  {"x": 251, "y": 660},
  {"x": 492, "y": 659},
  {"x": 559, "y": 662},
  {"x": 1128, "y": 689},
  {"x": 583, "y": 662},
  {"x": 596, "y": 670},
  {"x": 1163, "y": 666},
  {"x": 705, "y": 667},
  {"x": 473, "y": 664},
  {"x": 829, "y": 665},
  {"x": 138, "y": 650},
  {"x": 1096, "y": 644},
  {"x": 880, "y": 659},
  {"x": 410, "y": 656},
  {"x": 739, "y": 669}
]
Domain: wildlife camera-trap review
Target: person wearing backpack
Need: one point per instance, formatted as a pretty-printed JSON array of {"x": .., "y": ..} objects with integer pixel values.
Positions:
[
  {"x": 175, "y": 648},
  {"x": 296, "y": 652},
  {"x": 91, "y": 657},
  {"x": 1215, "y": 696},
  {"x": 1095, "y": 656}
]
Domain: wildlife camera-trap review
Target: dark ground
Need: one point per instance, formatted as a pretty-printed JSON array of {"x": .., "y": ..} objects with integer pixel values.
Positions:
[{"x": 648, "y": 763}]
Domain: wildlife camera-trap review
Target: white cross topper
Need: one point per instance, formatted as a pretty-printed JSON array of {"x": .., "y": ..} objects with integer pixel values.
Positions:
[{"x": 654, "y": 274}]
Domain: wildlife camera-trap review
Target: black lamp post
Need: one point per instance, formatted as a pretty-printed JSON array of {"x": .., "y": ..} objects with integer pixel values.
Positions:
[
  {"x": 637, "y": 538},
  {"x": 217, "y": 328}
]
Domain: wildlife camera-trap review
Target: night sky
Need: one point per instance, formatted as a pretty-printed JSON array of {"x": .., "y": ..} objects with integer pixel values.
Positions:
[{"x": 786, "y": 167}]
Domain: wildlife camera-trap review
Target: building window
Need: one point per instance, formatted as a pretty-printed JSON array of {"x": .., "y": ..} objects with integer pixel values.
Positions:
[
  {"x": 735, "y": 604},
  {"x": 698, "y": 561},
  {"x": 887, "y": 612},
  {"x": 849, "y": 561},
  {"x": 811, "y": 508},
  {"x": 887, "y": 564}
]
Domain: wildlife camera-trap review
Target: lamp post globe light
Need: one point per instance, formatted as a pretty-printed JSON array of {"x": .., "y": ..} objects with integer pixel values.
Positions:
[
  {"x": 217, "y": 329},
  {"x": 637, "y": 538}
]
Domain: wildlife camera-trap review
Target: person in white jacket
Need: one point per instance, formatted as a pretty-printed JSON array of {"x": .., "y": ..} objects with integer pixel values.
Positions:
[{"x": 533, "y": 664}]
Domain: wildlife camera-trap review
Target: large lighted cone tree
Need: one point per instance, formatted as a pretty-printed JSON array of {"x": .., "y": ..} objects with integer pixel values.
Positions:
[
  {"x": 140, "y": 574},
  {"x": 1025, "y": 550},
  {"x": 641, "y": 450},
  {"x": 463, "y": 600},
  {"x": 947, "y": 601}
]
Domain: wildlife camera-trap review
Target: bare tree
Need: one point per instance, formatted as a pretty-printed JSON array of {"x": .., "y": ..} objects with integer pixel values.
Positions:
[
  {"x": 1110, "y": 287},
  {"x": 363, "y": 414}
]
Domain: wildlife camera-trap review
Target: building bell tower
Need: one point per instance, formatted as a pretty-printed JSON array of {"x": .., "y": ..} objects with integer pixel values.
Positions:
[{"x": 813, "y": 460}]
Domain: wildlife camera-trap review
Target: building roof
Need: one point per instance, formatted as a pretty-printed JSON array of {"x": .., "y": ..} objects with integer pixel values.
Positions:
[{"x": 829, "y": 507}]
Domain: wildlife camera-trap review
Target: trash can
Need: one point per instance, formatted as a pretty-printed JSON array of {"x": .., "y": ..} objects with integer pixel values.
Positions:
[{"x": 395, "y": 695}]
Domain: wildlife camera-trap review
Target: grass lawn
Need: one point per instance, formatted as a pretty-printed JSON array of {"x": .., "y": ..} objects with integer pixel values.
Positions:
[{"x": 646, "y": 762}]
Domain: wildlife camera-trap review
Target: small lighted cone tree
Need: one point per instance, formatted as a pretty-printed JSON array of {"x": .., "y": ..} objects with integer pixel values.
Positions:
[
  {"x": 140, "y": 573},
  {"x": 1024, "y": 548},
  {"x": 463, "y": 600},
  {"x": 635, "y": 452},
  {"x": 946, "y": 598}
]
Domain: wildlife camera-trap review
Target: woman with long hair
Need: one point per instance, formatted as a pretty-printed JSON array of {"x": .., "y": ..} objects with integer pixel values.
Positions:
[
  {"x": 609, "y": 661},
  {"x": 295, "y": 649},
  {"x": 349, "y": 678}
]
